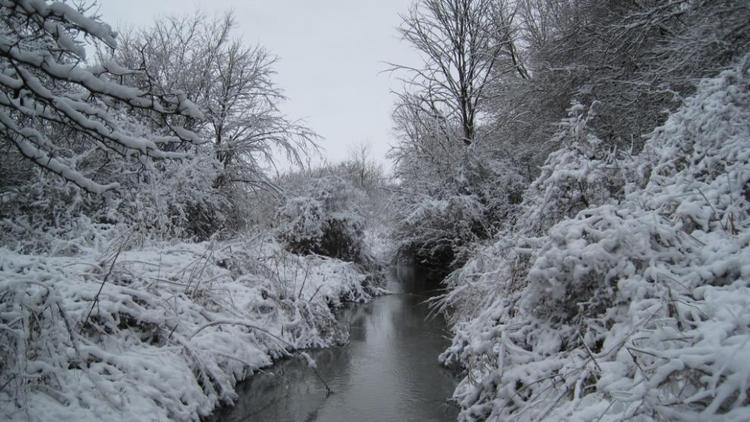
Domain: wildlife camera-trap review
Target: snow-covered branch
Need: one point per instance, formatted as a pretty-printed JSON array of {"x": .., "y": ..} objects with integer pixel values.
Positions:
[{"x": 52, "y": 106}]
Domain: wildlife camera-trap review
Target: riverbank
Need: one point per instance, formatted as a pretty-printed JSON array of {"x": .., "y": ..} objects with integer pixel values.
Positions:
[{"x": 157, "y": 331}]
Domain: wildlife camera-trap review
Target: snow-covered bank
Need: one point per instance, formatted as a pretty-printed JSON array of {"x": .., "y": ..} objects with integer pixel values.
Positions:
[
  {"x": 623, "y": 291},
  {"x": 158, "y": 331}
]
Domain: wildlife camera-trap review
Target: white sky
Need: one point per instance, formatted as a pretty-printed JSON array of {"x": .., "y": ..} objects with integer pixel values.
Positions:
[{"x": 331, "y": 58}]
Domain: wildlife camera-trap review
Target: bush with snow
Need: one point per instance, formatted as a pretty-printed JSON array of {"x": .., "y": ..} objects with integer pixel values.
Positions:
[
  {"x": 440, "y": 225},
  {"x": 582, "y": 173},
  {"x": 437, "y": 232},
  {"x": 636, "y": 307},
  {"x": 324, "y": 220}
]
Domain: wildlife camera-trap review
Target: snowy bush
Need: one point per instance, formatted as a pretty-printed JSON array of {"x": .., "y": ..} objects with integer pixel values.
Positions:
[
  {"x": 438, "y": 232},
  {"x": 41, "y": 212},
  {"x": 582, "y": 173},
  {"x": 440, "y": 225},
  {"x": 629, "y": 310},
  {"x": 326, "y": 223},
  {"x": 173, "y": 200}
]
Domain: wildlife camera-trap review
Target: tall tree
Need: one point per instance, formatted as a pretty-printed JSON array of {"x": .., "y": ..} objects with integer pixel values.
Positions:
[
  {"x": 231, "y": 82},
  {"x": 458, "y": 46}
]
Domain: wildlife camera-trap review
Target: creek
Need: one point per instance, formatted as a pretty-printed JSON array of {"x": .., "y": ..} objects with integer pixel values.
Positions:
[{"x": 387, "y": 372}]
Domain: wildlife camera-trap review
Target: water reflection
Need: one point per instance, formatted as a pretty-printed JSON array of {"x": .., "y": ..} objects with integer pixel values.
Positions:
[{"x": 387, "y": 372}]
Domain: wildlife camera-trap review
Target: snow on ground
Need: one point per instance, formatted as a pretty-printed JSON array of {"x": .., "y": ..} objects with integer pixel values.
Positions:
[
  {"x": 638, "y": 306},
  {"x": 158, "y": 331}
]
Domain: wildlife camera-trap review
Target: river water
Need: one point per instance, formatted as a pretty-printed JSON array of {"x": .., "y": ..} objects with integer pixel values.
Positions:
[{"x": 387, "y": 372}]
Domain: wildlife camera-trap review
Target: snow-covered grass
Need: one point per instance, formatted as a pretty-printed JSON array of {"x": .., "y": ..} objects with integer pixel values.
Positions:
[
  {"x": 636, "y": 306},
  {"x": 157, "y": 331}
]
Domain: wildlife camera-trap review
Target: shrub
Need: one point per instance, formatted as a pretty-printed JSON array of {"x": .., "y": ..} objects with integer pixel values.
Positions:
[
  {"x": 326, "y": 223},
  {"x": 441, "y": 227}
]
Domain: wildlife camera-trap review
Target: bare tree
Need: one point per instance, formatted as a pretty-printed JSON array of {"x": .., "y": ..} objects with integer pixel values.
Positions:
[
  {"x": 458, "y": 45},
  {"x": 427, "y": 151},
  {"x": 365, "y": 173},
  {"x": 231, "y": 82},
  {"x": 58, "y": 113}
]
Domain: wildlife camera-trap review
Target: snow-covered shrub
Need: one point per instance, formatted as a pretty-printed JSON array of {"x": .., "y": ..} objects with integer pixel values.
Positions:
[
  {"x": 39, "y": 211},
  {"x": 437, "y": 232},
  {"x": 172, "y": 199},
  {"x": 629, "y": 310},
  {"x": 324, "y": 221},
  {"x": 440, "y": 225},
  {"x": 581, "y": 174},
  {"x": 497, "y": 183},
  {"x": 304, "y": 229}
]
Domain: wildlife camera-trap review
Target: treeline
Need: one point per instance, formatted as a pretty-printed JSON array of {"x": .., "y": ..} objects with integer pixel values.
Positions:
[
  {"x": 169, "y": 130},
  {"x": 501, "y": 83}
]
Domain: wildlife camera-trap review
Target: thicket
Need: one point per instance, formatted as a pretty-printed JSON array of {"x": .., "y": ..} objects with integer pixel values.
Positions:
[
  {"x": 627, "y": 304},
  {"x": 327, "y": 210},
  {"x": 605, "y": 293}
]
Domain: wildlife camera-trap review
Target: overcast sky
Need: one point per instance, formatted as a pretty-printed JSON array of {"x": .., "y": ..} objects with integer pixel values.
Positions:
[{"x": 331, "y": 58}]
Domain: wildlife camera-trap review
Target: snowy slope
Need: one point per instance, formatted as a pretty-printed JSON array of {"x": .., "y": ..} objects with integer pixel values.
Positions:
[{"x": 638, "y": 306}]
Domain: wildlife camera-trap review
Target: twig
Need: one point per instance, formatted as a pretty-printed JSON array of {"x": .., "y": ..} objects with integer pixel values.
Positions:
[
  {"x": 591, "y": 355},
  {"x": 635, "y": 360},
  {"x": 242, "y": 323},
  {"x": 314, "y": 293},
  {"x": 199, "y": 274},
  {"x": 716, "y": 213},
  {"x": 329, "y": 391},
  {"x": 311, "y": 365},
  {"x": 106, "y": 276},
  {"x": 172, "y": 331},
  {"x": 304, "y": 281}
]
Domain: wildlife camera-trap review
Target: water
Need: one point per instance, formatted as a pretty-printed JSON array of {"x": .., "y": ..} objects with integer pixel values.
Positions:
[{"x": 387, "y": 372}]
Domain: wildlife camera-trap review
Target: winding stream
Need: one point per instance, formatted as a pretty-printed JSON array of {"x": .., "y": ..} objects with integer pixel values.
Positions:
[{"x": 387, "y": 372}]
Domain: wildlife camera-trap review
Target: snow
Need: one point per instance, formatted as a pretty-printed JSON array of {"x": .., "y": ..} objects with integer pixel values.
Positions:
[
  {"x": 175, "y": 326},
  {"x": 629, "y": 305},
  {"x": 92, "y": 27}
]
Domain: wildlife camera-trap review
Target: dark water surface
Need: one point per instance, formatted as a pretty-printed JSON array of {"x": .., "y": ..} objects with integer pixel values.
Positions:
[{"x": 387, "y": 372}]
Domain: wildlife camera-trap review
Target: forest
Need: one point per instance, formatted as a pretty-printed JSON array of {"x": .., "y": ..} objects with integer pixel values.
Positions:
[{"x": 574, "y": 174}]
